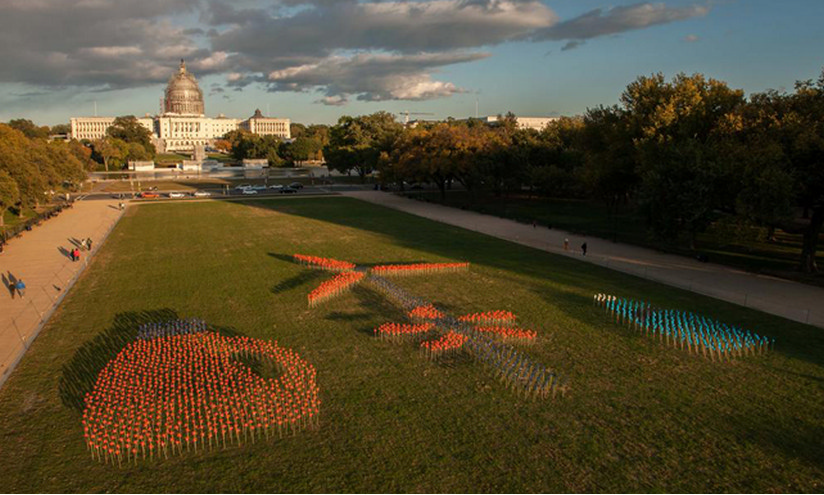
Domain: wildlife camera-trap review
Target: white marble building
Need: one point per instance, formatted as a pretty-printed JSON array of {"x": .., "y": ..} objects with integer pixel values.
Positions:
[{"x": 183, "y": 123}]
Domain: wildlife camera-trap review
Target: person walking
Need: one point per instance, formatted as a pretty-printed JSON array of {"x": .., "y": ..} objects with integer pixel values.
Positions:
[
  {"x": 566, "y": 244},
  {"x": 89, "y": 243},
  {"x": 21, "y": 288},
  {"x": 75, "y": 254},
  {"x": 584, "y": 249}
]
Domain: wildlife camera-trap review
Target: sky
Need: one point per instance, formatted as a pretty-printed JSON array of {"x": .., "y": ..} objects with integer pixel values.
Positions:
[{"x": 315, "y": 60}]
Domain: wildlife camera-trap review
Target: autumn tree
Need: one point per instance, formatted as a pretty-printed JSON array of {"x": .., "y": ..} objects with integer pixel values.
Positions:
[{"x": 9, "y": 194}]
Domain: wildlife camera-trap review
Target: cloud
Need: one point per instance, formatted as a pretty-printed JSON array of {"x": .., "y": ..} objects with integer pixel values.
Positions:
[
  {"x": 333, "y": 101},
  {"x": 346, "y": 50},
  {"x": 92, "y": 43},
  {"x": 407, "y": 27},
  {"x": 600, "y": 22},
  {"x": 371, "y": 77},
  {"x": 571, "y": 45}
]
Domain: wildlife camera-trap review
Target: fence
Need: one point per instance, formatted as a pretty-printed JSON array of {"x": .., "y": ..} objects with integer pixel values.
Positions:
[{"x": 43, "y": 296}]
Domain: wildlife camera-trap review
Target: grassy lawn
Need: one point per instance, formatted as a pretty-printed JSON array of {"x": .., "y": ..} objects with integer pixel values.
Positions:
[
  {"x": 779, "y": 258},
  {"x": 638, "y": 417},
  {"x": 170, "y": 158}
]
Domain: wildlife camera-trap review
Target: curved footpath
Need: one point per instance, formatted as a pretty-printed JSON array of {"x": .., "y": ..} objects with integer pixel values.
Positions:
[
  {"x": 791, "y": 300},
  {"x": 41, "y": 258}
]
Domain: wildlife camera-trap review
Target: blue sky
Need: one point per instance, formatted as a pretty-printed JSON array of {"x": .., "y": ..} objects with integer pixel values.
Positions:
[{"x": 315, "y": 60}]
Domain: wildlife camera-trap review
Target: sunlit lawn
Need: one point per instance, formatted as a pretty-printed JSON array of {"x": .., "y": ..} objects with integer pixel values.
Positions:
[{"x": 638, "y": 417}]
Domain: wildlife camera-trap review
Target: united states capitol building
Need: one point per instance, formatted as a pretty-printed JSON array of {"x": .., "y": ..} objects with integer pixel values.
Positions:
[{"x": 183, "y": 125}]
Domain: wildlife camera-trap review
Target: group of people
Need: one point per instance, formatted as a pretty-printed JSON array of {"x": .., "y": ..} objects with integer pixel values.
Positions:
[{"x": 86, "y": 244}]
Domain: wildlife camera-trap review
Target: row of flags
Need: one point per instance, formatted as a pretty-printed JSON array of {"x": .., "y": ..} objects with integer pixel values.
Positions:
[{"x": 686, "y": 330}]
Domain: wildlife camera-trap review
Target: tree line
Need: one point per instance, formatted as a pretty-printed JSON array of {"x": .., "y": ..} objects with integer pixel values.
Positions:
[
  {"x": 32, "y": 168},
  {"x": 306, "y": 144},
  {"x": 686, "y": 152}
]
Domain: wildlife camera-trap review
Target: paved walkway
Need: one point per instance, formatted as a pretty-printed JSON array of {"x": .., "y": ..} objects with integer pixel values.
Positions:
[
  {"x": 41, "y": 259},
  {"x": 798, "y": 302}
]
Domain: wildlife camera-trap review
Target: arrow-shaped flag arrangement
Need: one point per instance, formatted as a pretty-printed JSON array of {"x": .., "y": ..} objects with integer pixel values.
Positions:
[{"x": 486, "y": 336}]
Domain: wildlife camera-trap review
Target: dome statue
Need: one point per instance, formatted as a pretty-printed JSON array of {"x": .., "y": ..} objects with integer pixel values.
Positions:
[{"x": 183, "y": 95}]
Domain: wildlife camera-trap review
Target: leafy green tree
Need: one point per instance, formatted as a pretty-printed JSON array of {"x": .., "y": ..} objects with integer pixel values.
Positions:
[
  {"x": 301, "y": 149},
  {"x": 113, "y": 151},
  {"x": 29, "y": 129},
  {"x": 356, "y": 143},
  {"x": 296, "y": 130},
  {"x": 16, "y": 160},
  {"x": 683, "y": 176},
  {"x": 9, "y": 194},
  {"x": 60, "y": 129},
  {"x": 129, "y": 130}
]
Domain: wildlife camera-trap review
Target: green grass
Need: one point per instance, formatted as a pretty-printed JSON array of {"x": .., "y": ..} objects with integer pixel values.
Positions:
[
  {"x": 170, "y": 158},
  {"x": 779, "y": 258},
  {"x": 638, "y": 417}
]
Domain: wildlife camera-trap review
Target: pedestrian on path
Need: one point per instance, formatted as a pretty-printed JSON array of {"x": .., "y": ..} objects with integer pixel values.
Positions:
[
  {"x": 21, "y": 288},
  {"x": 75, "y": 254},
  {"x": 89, "y": 243},
  {"x": 566, "y": 244},
  {"x": 584, "y": 249}
]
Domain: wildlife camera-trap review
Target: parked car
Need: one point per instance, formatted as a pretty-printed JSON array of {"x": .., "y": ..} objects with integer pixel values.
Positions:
[
  {"x": 148, "y": 195},
  {"x": 242, "y": 187},
  {"x": 176, "y": 195},
  {"x": 288, "y": 190},
  {"x": 296, "y": 185},
  {"x": 259, "y": 187},
  {"x": 201, "y": 194},
  {"x": 248, "y": 191},
  {"x": 276, "y": 187}
]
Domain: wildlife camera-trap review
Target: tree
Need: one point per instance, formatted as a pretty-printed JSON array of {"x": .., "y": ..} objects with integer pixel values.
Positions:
[
  {"x": 15, "y": 159},
  {"x": 683, "y": 175},
  {"x": 29, "y": 129},
  {"x": 113, "y": 151},
  {"x": 129, "y": 130},
  {"x": 60, "y": 129},
  {"x": 9, "y": 194},
  {"x": 356, "y": 143},
  {"x": 296, "y": 130},
  {"x": 301, "y": 149}
]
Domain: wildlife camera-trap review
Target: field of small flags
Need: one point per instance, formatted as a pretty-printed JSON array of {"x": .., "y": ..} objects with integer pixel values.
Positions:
[
  {"x": 686, "y": 330},
  {"x": 182, "y": 388},
  {"x": 735, "y": 409},
  {"x": 487, "y": 336}
]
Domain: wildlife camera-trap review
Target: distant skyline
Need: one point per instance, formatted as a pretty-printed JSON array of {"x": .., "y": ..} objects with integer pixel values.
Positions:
[{"x": 315, "y": 60}]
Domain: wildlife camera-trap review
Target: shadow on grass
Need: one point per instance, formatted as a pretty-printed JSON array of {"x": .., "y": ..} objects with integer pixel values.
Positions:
[
  {"x": 79, "y": 375},
  {"x": 296, "y": 281}
]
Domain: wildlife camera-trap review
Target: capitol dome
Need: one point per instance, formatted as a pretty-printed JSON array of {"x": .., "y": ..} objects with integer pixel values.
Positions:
[{"x": 183, "y": 95}]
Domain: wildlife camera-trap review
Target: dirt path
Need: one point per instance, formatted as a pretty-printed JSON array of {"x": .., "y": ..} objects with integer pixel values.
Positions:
[
  {"x": 772, "y": 295},
  {"x": 41, "y": 259}
]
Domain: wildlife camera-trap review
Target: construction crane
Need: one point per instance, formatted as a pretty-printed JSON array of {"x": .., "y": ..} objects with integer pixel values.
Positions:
[{"x": 407, "y": 113}]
